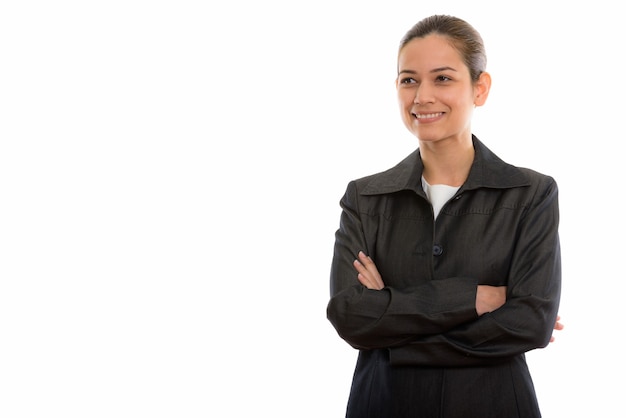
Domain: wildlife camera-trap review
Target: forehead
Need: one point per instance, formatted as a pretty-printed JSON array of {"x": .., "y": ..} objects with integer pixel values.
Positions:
[{"x": 432, "y": 51}]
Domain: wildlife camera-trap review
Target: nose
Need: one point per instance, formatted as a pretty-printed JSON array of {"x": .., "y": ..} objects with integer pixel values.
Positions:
[{"x": 423, "y": 94}]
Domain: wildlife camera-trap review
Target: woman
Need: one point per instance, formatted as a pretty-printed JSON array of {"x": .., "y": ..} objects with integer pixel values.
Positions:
[{"x": 446, "y": 267}]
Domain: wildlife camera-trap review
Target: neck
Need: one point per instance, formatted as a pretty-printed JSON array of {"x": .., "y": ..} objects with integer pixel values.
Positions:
[{"x": 447, "y": 162}]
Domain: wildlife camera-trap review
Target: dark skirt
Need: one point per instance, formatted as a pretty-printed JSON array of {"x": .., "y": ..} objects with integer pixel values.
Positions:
[{"x": 502, "y": 390}]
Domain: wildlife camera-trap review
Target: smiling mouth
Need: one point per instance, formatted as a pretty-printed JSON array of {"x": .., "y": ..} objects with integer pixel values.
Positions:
[{"x": 427, "y": 115}]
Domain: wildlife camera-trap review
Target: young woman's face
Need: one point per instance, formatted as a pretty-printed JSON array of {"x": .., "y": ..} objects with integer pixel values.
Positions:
[{"x": 435, "y": 91}]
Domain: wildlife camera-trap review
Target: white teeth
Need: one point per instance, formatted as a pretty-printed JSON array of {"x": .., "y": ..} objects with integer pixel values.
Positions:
[{"x": 428, "y": 115}]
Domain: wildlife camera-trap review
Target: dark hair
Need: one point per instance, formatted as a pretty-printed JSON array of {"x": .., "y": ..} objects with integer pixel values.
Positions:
[{"x": 463, "y": 37}]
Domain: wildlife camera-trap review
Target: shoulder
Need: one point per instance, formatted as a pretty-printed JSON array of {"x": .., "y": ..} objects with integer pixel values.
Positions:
[
  {"x": 403, "y": 176},
  {"x": 541, "y": 185},
  {"x": 537, "y": 177},
  {"x": 491, "y": 171}
]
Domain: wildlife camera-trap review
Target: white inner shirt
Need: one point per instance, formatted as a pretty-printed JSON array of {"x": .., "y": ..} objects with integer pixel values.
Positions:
[{"x": 438, "y": 194}]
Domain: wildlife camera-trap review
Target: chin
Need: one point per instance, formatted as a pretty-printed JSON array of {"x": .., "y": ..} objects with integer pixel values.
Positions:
[
  {"x": 428, "y": 139},
  {"x": 425, "y": 136}
]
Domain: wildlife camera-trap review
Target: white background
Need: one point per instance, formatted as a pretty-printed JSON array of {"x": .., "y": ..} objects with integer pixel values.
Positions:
[{"x": 170, "y": 173}]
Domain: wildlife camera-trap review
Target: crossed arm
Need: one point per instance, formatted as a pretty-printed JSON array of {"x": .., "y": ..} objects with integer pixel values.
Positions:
[{"x": 488, "y": 298}]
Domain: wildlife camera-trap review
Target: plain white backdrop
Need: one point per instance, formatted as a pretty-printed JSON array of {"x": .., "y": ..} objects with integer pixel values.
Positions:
[{"x": 170, "y": 174}]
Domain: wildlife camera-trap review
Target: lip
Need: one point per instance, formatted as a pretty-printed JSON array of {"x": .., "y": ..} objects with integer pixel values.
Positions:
[{"x": 425, "y": 117}]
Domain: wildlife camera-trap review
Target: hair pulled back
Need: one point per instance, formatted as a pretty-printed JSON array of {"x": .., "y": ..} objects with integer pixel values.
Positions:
[{"x": 463, "y": 37}]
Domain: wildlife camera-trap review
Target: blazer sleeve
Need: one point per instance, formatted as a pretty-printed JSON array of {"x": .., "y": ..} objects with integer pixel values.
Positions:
[
  {"x": 526, "y": 320},
  {"x": 390, "y": 317}
]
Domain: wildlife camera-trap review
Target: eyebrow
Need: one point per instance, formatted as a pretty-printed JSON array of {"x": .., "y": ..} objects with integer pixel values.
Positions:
[{"x": 434, "y": 70}]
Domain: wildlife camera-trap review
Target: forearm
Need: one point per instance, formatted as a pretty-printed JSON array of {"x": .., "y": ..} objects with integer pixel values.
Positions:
[
  {"x": 520, "y": 325},
  {"x": 390, "y": 317}
]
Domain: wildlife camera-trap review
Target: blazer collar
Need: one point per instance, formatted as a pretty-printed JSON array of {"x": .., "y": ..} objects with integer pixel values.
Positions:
[{"x": 488, "y": 170}]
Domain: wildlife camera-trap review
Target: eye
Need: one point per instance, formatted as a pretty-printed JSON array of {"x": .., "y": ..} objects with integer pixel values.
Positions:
[
  {"x": 442, "y": 78},
  {"x": 407, "y": 80}
]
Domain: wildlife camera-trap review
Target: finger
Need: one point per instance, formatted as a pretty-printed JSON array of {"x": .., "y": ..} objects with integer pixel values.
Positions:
[
  {"x": 368, "y": 262},
  {"x": 372, "y": 283},
  {"x": 363, "y": 275},
  {"x": 372, "y": 270},
  {"x": 558, "y": 325},
  {"x": 368, "y": 275},
  {"x": 359, "y": 267},
  {"x": 368, "y": 282}
]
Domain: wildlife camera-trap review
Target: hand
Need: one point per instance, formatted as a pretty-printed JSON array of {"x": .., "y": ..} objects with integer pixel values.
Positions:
[
  {"x": 368, "y": 274},
  {"x": 557, "y": 326},
  {"x": 489, "y": 298}
]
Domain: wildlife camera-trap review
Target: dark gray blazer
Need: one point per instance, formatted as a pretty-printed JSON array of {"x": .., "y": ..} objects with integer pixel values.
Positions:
[{"x": 424, "y": 351}]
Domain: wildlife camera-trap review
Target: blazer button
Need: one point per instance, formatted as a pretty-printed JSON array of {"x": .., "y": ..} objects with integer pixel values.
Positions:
[{"x": 437, "y": 250}]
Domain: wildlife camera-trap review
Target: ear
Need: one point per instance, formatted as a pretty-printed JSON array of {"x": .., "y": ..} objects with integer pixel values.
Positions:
[{"x": 481, "y": 88}]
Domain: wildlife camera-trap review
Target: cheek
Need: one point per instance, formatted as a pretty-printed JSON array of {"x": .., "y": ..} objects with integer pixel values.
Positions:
[
  {"x": 405, "y": 99},
  {"x": 452, "y": 97},
  {"x": 459, "y": 101}
]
